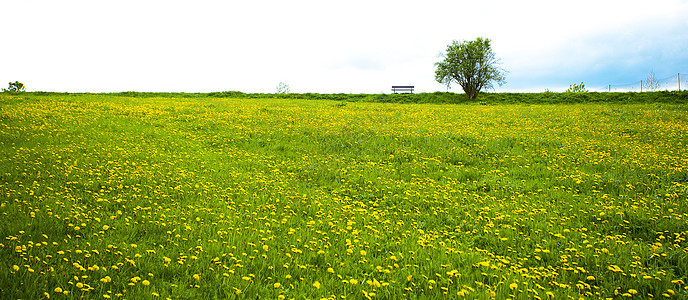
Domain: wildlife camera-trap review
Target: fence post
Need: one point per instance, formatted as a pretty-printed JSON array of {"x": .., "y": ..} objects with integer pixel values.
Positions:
[
  {"x": 641, "y": 86},
  {"x": 678, "y": 76}
]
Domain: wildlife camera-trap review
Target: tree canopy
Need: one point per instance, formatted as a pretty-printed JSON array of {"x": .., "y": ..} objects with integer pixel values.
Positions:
[
  {"x": 471, "y": 64},
  {"x": 15, "y": 87}
]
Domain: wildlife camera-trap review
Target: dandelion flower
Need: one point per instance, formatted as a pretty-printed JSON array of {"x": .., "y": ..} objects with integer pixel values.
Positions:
[
  {"x": 58, "y": 290},
  {"x": 145, "y": 282},
  {"x": 513, "y": 286},
  {"x": 316, "y": 285},
  {"x": 276, "y": 285}
]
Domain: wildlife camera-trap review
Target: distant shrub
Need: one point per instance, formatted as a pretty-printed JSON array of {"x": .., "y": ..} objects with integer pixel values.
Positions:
[
  {"x": 651, "y": 83},
  {"x": 577, "y": 88},
  {"x": 282, "y": 88},
  {"x": 15, "y": 87},
  {"x": 227, "y": 94}
]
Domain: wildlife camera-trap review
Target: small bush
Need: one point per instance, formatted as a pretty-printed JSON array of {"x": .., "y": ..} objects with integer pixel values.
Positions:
[
  {"x": 577, "y": 88},
  {"x": 15, "y": 87}
]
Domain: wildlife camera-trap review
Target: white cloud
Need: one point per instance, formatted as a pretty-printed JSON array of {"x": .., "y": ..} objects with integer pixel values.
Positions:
[{"x": 317, "y": 46}]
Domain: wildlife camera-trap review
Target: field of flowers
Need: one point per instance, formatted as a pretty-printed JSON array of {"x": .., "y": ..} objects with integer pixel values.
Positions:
[{"x": 105, "y": 196}]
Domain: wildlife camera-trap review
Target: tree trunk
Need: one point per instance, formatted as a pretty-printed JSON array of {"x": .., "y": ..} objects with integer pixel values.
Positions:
[{"x": 471, "y": 92}]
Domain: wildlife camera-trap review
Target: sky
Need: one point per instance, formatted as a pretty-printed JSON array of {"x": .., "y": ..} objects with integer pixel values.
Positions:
[{"x": 332, "y": 46}]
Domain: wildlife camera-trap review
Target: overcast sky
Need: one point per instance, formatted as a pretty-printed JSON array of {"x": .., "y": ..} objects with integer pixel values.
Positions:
[{"x": 331, "y": 47}]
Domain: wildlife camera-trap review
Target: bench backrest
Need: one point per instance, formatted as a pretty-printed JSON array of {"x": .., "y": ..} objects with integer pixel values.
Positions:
[{"x": 402, "y": 88}]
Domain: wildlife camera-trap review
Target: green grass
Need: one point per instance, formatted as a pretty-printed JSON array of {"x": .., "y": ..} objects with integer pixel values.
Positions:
[{"x": 146, "y": 196}]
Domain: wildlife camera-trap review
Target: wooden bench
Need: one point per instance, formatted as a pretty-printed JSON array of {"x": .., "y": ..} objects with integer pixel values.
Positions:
[{"x": 402, "y": 88}]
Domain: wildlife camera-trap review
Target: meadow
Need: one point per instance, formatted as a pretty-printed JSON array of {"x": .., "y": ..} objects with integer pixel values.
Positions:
[{"x": 127, "y": 197}]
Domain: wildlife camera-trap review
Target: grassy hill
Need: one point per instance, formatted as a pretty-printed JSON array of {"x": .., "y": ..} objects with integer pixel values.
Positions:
[
  {"x": 436, "y": 98},
  {"x": 147, "y": 196}
]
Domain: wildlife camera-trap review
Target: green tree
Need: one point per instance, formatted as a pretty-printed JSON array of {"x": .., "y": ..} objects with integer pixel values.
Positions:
[
  {"x": 651, "y": 83},
  {"x": 471, "y": 64},
  {"x": 282, "y": 88},
  {"x": 15, "y": 87},
  {"x": 577, "y": 88}
]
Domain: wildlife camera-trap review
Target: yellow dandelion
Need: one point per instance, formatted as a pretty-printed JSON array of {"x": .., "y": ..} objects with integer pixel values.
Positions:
[
  {"x": 316, "y": 285},
  {"x": 145, "y": 282},
  {"x": 330, "y": 270},
  {"x": 58, "y": 290},
  {"x": 276, "y": 285},
  {"x": 513, "y": 286},
  {"x": 15, "y": 268},
  {"x": 353, "y": 281}
]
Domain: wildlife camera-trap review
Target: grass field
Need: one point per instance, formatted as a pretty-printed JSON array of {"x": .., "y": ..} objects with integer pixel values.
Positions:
[{"x": 107, "y": 196}]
